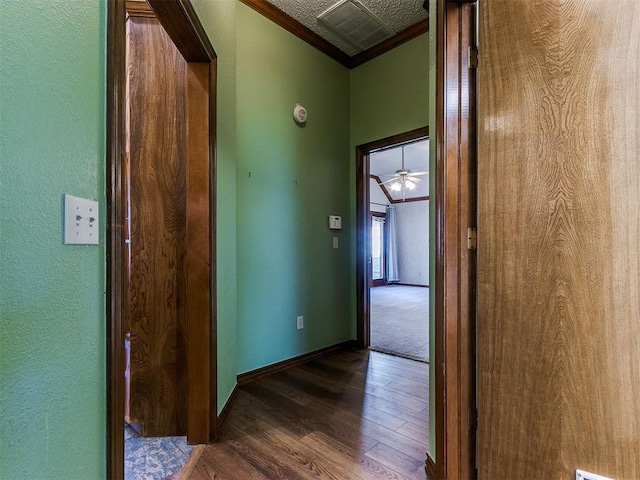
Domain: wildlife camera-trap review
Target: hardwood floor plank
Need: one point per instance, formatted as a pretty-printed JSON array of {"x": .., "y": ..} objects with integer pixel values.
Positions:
[
  {"x": 409, "y": 390},
  {"x": 353, "y": 403},
  {"x": 226, "y": 458},
  {"x": 381, "y": 418},
  {"x": 377, "y": 362},
  {"x": 202, "y": 471},
  {"x": 398, "y": 461},
  {"x": 417, "y": 432},
  {"x": 355, "y": 466},
  {"x": 252, "y": 406},
  {"x": 303, "y": 458},
  {"x": 336, "y": 417},
  {"x": 338, "y": 394},
  {"x": 379, "y": 377},
  {"x": 420, "y": 373},
  {"x": 401, "y": 399},
  {"x": 293, "y": 393},
  {"x": 336, "y": 423},
  {"x": 279, "y": 456},
  {"x": 394, "y": 439},
  {"x": 419, "y": 418},
  {"x": 332, "y": 387}
]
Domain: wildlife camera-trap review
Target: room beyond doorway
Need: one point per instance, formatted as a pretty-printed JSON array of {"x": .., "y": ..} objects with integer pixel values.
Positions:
[
  {"x": 392, "y": 210},
  {"x": 399, "y": 249}
]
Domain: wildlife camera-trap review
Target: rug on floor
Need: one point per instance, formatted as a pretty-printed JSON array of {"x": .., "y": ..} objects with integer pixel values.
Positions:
[
  {"x": 153, "y": 458},
  {"x": 400, "y": 321}
]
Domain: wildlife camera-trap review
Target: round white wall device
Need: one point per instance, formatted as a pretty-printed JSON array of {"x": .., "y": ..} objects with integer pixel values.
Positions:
[{"x": 299, "y": 114}]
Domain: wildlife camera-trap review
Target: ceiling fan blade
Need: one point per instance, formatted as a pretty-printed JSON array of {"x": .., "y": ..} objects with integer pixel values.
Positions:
[
  {"x": 420, "y": 173},
  {"x": 394, "y": 179},
  {"x": 417, "y": 181}
]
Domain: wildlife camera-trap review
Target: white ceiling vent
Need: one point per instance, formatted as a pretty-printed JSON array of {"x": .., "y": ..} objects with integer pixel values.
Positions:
[{"x": 355, "y": 23}]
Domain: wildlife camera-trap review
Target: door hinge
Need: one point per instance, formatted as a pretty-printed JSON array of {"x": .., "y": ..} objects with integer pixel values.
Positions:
[
  {"x": 473, "y": 57},
  {"x": 472, "y": 238}
]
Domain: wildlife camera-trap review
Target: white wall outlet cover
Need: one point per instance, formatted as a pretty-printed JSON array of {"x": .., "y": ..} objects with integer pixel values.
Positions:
[
  {"x": 80, "y": 221},
  {"x": 582, "y": 475},
  {"x": 299, "y": 114},
  {"x": 335, "y": 222}
]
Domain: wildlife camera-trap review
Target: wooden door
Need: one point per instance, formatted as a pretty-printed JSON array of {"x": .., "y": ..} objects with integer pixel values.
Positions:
[
  {"x": 559, "y": 239},
  {"x": 181, "y": 22},
  {"x": 157, "y": 249}
]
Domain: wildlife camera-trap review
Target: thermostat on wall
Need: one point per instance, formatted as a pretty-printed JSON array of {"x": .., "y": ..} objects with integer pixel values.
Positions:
[{"x": 335, "y": 222}]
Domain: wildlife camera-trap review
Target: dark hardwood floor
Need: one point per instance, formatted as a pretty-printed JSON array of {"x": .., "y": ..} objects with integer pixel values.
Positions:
[{"x": 351, "y": 415}]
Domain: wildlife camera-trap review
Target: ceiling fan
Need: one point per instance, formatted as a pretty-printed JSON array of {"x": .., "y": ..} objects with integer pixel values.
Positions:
[{"x": 405, "y": 178}]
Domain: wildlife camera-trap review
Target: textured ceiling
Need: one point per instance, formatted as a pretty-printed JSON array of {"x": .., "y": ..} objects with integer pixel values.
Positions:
[{"x": 396, "y": 14}]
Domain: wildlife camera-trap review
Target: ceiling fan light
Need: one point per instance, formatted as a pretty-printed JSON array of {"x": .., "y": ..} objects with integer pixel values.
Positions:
[
  {"x": 396, "y": 186},
  {"x": 410, "y": 185}
]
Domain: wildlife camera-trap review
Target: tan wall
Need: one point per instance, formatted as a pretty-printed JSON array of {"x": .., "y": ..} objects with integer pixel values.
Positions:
[{"x": 559, "y": 231}]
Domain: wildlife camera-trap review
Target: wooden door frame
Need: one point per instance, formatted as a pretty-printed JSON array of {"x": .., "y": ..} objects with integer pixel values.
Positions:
[
  {"x": 456, "y": 211},
  {"x": 362, "y": 226},
  {"x": 180, "y": 21}
]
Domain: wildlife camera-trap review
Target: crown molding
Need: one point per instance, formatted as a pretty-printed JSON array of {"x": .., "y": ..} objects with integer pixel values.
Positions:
[
  {"x": 401, "y": 37},
  {"x": 294, "y": 27},
  {"x": 290, "y": 24}
]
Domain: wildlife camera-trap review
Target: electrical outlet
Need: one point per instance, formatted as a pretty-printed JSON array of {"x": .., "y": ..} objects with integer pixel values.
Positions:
[
  {"x": 582, "y": 475},
  {"x": 300, "y": 322}
]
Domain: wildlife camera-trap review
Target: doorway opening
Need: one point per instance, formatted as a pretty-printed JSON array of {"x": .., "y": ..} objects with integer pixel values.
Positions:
[
  {"x": 161, "y": 236},
  {"x": 398, "y": 250},
  {"x": 393, "y": 244}
]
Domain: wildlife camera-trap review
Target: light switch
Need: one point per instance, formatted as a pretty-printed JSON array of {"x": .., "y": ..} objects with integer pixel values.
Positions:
[
  {"x": 335, "y": 242},
  {"x": 335, "y": 222},
  {"x": 80, "y": 221}
]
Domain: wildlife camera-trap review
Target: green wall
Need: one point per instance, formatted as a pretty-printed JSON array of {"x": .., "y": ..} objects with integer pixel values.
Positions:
[
  {"x": 389, "y": 95},
  {"x": 290, "y": 179},
  {"x": 52, "y": 296},
  {"x": 275, "y": 258}
]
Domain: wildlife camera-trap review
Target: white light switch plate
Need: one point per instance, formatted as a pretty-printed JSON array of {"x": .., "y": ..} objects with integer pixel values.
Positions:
[
  {"x": 80, "y": 221},
  {"x": 582, "y": 475}
]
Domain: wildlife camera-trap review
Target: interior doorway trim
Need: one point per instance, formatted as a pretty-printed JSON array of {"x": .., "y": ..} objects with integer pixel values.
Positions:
[
  {"x": 455, "y": 262},
  {"x": 180, "y": 21},
  {"x": 362, "y": 225}
]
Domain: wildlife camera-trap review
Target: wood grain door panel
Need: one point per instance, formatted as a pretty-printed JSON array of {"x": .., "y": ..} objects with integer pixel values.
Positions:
[
  {"x": 559, "y": 239},
  {"x": 157, "y": 295}
]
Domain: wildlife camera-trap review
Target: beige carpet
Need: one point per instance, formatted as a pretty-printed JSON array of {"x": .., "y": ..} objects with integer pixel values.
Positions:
[{"x": 400, "y": 321}]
